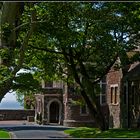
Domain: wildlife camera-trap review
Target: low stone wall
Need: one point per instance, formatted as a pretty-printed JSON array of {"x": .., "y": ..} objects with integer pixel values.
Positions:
[
  {"x": 73, "y": 123},
  {"x": 16, "y": 114}
]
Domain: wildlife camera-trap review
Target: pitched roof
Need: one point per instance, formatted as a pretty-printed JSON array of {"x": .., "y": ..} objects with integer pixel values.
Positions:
[{"x": 133, "y": 71}]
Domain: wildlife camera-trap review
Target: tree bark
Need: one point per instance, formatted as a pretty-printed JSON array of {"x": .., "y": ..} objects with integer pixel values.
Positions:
[
  {"x": 11, "y": 17},
  {"x": 96, "y": 112},
  {"x": 93, "y": 105}
]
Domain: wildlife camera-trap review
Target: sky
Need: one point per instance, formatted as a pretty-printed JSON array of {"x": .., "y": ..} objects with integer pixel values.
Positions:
[{"x": 9, "y": 102}]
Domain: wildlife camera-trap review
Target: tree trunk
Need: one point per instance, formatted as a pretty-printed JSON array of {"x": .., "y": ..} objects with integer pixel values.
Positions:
[
  {"x": 16, "y": 9},
  {"x": 95, "y": 111},
  {"x": 87, "y": 89},
  {"x": 11, "y": 18}
]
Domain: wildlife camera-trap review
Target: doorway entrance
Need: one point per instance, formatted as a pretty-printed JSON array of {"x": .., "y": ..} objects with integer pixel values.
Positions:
[{"x": 54, "y": 112}]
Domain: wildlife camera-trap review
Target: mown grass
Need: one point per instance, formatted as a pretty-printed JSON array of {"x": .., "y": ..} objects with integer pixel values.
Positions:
[
  {"x": 85, "y": 132},
  {"x": 4, "y": 134}
]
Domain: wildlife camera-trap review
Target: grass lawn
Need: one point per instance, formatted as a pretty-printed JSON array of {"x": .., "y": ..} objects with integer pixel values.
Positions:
[
  {"x": 85, "y": 132},
  {"x": 4, "y": 134}
]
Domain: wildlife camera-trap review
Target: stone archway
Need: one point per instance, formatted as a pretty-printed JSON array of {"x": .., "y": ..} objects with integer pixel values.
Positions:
[{"x": 54, "y": 111}]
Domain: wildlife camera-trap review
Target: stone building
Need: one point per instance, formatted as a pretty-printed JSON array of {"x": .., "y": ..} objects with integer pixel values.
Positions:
[
  {"x": 56, "y": 105},
  {"x": 123, "y": 96},
  {"x": 120, "y": 94}
]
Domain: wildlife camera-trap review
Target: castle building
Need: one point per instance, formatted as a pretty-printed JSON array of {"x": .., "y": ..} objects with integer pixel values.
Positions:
[{"x": 119, "y": 94}]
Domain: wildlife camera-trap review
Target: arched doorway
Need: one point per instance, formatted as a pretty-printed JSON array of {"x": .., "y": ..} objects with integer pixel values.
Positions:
[{"x": 54, "y": 112}]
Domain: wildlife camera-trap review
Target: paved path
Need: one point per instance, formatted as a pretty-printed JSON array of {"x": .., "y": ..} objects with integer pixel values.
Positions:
[
  {"x": 24, "y": 129},
  {"x": 16, "y": 122}
]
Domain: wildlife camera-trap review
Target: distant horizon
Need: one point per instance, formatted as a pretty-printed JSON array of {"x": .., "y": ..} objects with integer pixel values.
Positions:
[{"x": 10, "y": 105}]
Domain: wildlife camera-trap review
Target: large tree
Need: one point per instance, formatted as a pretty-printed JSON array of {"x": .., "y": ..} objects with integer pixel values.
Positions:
[
  {"x": 84, "y": 38},
  {"x": 14, "y": 40},
  {"x": 90, "y": 37}
]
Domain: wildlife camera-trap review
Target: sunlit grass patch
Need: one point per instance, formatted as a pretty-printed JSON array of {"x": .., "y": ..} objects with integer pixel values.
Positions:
[
  {"x": 82, "y": 132},
  {"x": 4, "y": 134},
  {"x": 85, "y": 132}
]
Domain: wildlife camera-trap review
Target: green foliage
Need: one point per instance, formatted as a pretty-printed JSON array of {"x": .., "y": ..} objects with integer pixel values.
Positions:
[
  {"x": 4, "y": 53},
  {"x": 94, "y": 38},
  {"x": 6, "y": 31},
  {"x": 5, "y": 73},
  {"x": 83, "y": 37},
  {"x": 70, "y": 31},
  {"x": 4, "y": 134},
  {"x": 135, "y": 57},
  {"x": 29, "y": 100},
  {"x": 20, "y": 97},
  {"x": 26, "y": 86},
  {"x": 25, "y": 81}
]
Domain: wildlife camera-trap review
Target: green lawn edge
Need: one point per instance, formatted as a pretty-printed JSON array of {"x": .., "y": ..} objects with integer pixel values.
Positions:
[
  {"x": 4, "y": 134},
  {"x": 86, "y": 132}
]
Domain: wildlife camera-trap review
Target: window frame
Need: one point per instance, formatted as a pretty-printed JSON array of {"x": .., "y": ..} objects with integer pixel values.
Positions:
[
  {"x": 114, "y": 94},
  {"x": 101, "y": 93}
]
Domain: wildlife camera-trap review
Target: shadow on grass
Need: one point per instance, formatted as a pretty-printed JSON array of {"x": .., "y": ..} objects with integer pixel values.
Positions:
[
  {"x": 85, "y": 132},
  {"x": 82, "y": 132}
]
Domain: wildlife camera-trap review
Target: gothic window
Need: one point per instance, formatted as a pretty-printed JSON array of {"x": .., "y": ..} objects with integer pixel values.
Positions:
[
  {"x": 111, "y": 96},
  {"x": 114, "y": 94}
]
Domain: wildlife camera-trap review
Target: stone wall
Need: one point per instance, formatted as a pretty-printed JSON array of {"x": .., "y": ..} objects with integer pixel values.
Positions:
[
  {"x": 76, "y": 123},
  {"x": 15, "y": 114},
  {"x": 72, "y": 115},
  {"x": 114, "y": 78}
]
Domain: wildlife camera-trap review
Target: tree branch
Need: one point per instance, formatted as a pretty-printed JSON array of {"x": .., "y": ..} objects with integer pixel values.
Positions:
[
  {"x": 47, "y": 50},
  {"x": 85, "y": 35},
  {"x": 106, "y": 70},
  {"x": 72, "y": 67},
  {"x": 50, "y": 50},
  {"x": 33, "y": 22},
  {"x": 25, "y": 43}
]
